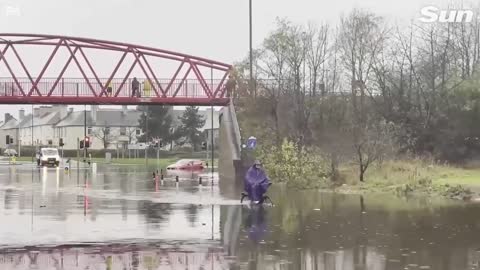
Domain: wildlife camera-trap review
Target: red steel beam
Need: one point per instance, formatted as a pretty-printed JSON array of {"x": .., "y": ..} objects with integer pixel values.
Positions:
[
  {"x": 183, "y": 80},
  {"x": 62, "y": 72},
  {"x": 74, "y": 100},
  {"x": 44, "y": 69},
  {"x": 149, "y": 53},
  {"x": 2, "y": 56},
  {"x": 22, "y": 64},
  {"x": 139, "y": 52},
  {"x": 145, "y": 72},
  {"x": 80, "y": 68},
  {"x": 220, "y": 84},
  {"x": 202, "y": 81},
  {"x": 153, "y": 75},
  {"x": 126, "y": 77},
  {"x": 123, "y": 50},
  {"x": 174, "y": 78},
  {"x": 90, "y": 66},
  {"x": 118, "y": 44},
  {"x": 113, "y": 73}
]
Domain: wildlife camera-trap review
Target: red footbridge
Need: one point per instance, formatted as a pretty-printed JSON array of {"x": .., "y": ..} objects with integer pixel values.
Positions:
[{"x": 49, "y": 69}]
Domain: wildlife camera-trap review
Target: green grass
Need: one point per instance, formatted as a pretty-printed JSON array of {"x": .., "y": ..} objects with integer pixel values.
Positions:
[
  {"x": 24, "y": 159},
  {"x": 418, "y": 175}
]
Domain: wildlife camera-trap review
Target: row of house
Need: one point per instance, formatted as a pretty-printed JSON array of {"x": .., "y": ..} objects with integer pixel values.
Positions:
[{"x": 107, "y": 128}]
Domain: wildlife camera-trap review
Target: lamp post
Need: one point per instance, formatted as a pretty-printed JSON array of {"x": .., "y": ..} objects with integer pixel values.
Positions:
[
  {"x": 85, "y": 132},
  {"x": 252, "y": 85},
  {"x": 33, "y": 148}
]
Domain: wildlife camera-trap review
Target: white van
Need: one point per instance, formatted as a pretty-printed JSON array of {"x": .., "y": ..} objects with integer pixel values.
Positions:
[{"x": 48, "y": 156}]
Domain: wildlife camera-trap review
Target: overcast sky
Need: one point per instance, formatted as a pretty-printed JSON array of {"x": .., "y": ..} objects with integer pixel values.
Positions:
[{"x": 215, "y": 29}]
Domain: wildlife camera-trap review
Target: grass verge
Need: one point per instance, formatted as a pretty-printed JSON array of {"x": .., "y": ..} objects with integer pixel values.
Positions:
[{"x": 414, "y": 176}]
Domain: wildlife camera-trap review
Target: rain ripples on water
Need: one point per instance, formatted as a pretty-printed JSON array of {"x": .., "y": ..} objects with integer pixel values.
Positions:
[{"x": 121, "y": 218}]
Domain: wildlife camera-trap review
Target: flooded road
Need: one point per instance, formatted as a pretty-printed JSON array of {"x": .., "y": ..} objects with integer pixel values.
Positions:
[{"x": 121, "y": 218}]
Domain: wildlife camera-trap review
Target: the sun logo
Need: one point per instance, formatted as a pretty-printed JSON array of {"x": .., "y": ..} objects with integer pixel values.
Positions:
[{"x": 433, "y": 14}]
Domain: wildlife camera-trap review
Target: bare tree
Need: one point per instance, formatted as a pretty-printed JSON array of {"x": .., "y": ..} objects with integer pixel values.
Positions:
[
  {"x": 131, "y": 133},
  {"x": 104, "y": 134}
]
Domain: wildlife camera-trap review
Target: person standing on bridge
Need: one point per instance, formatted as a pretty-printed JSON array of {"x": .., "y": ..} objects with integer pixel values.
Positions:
[
  {"x": 146, "y": 88},
  {"x": 135, "y": 87},
  {"x": 109, "y": 89}
]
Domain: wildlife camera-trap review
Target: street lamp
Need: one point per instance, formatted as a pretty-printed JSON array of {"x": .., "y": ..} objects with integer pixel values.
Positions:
[{"x": 252, "y": 85}]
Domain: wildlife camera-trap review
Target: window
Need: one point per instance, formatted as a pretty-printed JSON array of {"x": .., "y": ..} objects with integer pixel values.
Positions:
[
  {"x": 139, "y": 132},
  {"x": 123, "y": 131},
  {"x": 89, "y": 130}
]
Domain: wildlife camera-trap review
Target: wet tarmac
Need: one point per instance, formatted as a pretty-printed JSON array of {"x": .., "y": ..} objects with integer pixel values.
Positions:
[{"x": 120, "y": 217}]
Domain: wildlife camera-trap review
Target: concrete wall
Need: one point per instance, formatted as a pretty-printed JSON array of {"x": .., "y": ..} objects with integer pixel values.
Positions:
[{"x": 231, "y": 170}]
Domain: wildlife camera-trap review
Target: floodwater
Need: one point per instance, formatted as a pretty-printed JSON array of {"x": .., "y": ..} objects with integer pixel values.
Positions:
[{"x": 120, "y": 218}]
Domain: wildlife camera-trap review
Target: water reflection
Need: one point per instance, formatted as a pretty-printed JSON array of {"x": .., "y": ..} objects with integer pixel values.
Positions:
[
  {"x": 191, "y": 226},
  {"x": 256, "y": 223},
  {"x": 116, "y": 257}
]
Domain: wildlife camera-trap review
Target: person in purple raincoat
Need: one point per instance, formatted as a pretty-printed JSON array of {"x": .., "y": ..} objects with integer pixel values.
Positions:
[{"x": 256, "y": 183}]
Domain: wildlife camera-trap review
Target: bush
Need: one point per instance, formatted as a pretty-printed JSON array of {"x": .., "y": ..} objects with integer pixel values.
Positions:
[{"x": 295, "y": 166}]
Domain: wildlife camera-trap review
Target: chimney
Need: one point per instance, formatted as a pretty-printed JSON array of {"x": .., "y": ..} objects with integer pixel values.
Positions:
[
  {"x": 46, "y": 109},
  {"x": 94, "y": 110},
  {"x": 62, "y": 110},
  {"x": 7, "y": 117},
  {"x": 124, "y": 110},
  {"x": 36, "y": 112},
  {"x": 21, "y": 114}
]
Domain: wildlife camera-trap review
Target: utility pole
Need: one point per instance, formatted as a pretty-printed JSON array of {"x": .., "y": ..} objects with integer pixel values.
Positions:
[
  {"x": 211, "y": 140},
  {"x": 84, "y": 132},
  {"x": 211, "y": 120},
  {"x": 33, "y": 148},
  {"x": 146, "y": 135},
  {"x": 252, "y": 85}
]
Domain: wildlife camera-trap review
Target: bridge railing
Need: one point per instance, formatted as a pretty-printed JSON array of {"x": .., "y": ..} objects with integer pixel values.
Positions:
[{"x": 78, "y": 87}]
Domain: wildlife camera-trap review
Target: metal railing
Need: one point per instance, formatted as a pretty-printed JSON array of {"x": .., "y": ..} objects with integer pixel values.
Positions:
[{"x": 78, "y": 87}]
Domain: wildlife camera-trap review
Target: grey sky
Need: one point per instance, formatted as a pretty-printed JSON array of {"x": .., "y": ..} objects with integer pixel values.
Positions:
[{"x": 216, "y": 29}]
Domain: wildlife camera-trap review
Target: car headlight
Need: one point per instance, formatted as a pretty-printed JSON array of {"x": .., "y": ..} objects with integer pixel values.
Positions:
[{"x": 44, "y": 158}]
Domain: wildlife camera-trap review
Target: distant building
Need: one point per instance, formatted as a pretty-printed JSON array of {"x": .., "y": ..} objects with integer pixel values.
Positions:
[
  {"x": 107, "y": 128},
  {"x": 8, "y": 128},
  {"x": 43, "y": 120}
]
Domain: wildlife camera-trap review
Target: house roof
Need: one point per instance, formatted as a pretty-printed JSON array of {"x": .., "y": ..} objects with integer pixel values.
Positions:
[
  {"x": 113, "y": 118},
  {"x": 48, "y": 118},
  {"x": 10, "y": 124}
]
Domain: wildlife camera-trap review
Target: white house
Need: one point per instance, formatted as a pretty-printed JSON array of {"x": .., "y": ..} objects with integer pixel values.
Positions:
[
  {"x": 106, "y": 128},
  {"x": 42, "y": 123},
  {"x": 8, "y": 128},
  {"x": 110, "y": 128}
]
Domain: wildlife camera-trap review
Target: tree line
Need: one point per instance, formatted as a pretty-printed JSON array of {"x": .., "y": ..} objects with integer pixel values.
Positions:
[
  {"x": 365, "y": 89},
  {"x": 156, "y": 123}
]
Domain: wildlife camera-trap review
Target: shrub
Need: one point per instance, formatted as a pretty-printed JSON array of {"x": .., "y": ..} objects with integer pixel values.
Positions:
[{"x": 295, "y": 165}]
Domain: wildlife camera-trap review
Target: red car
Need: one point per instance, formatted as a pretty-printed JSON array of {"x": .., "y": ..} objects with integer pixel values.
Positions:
[{"x": 187, "y": 164}]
